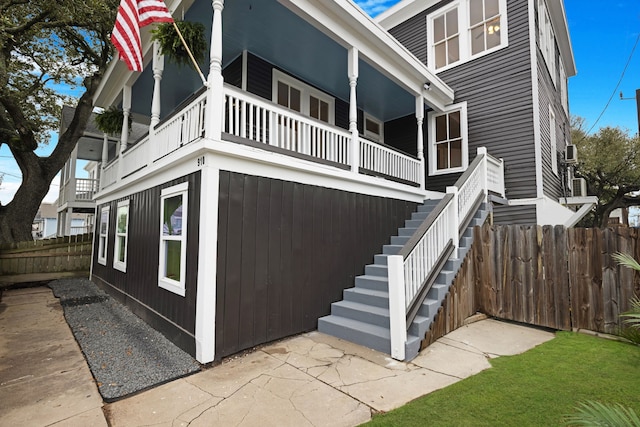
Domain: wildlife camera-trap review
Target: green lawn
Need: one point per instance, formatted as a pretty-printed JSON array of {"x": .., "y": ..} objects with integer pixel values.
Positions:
[{"x": 532, "y": 389}]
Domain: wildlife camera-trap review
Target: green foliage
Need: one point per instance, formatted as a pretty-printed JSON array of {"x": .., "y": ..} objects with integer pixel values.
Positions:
[
  {"x": 171, "y": 45},
  {"x": 609, "y": 160},
  {"x": 626, "y": 260},
  {"x": 536, "y": 388},
  {"x": 596, "y": 414},
  {"x": 110, "y": 121}
]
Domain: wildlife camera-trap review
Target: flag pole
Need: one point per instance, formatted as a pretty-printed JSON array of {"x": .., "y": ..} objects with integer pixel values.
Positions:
[{"x": 204, "y": 81}]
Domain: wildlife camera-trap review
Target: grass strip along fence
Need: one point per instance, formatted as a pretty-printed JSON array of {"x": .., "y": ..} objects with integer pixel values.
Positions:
[{"x": 48, "y": 259}]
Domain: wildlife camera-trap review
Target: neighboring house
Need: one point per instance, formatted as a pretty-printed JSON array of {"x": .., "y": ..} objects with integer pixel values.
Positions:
[
  {"x": 45, "y": 224},
  {"x": 255, "y": 200}
]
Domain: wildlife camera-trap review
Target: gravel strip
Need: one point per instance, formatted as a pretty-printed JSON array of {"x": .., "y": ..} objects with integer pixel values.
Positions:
[{"x": 124, "y": 353}]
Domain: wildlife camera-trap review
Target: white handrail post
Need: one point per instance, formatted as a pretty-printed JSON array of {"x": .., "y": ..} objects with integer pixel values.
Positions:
[
  {"x": 353, "y": 109},
  {"x": 397, "y": 306},
  {"x": 482, "y": 151},
  {"x": 455, "y": 220}
]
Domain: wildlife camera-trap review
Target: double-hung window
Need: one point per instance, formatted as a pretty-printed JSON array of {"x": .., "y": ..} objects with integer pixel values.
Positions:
[
  {"x": 464, "y": 30},
  {"x": 298, "y": 96},
  {"x": 103, "y": 235},
  {"x": 552, "y": 141},
  {"x": 122, "y": 236},
  {"x": 173, "y": 238},
  {"x": 547, "y": 39},
  {"x": 448, "y": 141}
]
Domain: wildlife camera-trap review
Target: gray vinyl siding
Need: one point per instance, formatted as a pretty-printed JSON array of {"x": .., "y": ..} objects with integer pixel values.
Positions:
[
  {"x": 498, "y": 90},
  {"x": 514, "y": 215}
]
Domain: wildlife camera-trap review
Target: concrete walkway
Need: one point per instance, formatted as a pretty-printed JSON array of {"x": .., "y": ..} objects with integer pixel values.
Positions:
[{"x": 308, "y": 380}]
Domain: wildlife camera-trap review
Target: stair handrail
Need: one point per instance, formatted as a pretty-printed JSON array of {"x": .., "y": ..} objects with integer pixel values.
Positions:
[{"x": 412, "y": 271}]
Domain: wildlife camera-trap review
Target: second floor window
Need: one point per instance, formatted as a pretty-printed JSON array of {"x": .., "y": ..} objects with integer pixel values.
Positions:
[
  {"x": 448, "y": 140},
  {"x": 298, "y": 96},
  {"x": 465, "y": 29}
]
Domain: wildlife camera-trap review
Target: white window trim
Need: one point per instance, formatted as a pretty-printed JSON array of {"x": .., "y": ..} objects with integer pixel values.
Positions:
[
  {"x": 547, "y": 39},
  {"x": 464, "y": 134},
  {"x": 464, "y": 31},
  {"x": 174, "y": 286},
  {"x": 553, "y": 142},
  {"x": 371, "y": 135},
  {"x": 101, "y": 249},
  {"x": 118, "y": 265},
  {"x": 564, "y": 92},
  {"x": 305, "y": 92}
]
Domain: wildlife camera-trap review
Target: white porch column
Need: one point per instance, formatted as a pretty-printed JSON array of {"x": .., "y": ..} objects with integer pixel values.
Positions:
[
  {"x": 420, "y": 140},
  {"x": 158, "y": 68},
  {"x": 126, "y": 110},
  {"x": 71, "y": 181},
  {"x": 67, "y": 221},
  {"x": 215, "y": 96},
  {"x": 105, "y": 157},
  {"x": 353, "y": 109}
]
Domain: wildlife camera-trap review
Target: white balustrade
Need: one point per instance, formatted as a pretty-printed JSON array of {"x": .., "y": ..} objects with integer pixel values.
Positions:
[
  {"x": 419, "y": 260},
  {"x": 386, "y": 161},
  {"x": 136, "y": 157},
  {"x": 109, "y": 174},
  {"x": 249, "y": 117},
  {"x": 181, "y": 129},
  {"x": 85, "y": 188}
]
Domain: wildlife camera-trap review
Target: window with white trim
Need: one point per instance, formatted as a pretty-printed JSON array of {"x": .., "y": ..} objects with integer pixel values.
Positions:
[
  {"x": 298, "y": 96},
  {"x": 103, "y": 235},
  {"x": 173, "y": 238},
  {"x": 122, "y": 236},
  {"x": 553, "y": 142},
  {"x": 464, "y": 30},
  {"x": 563, "y": 87},
  {"x": 547, "y": 39},
  {"x": 448, "y": 140},
  {"x": 373, "y": 128}
]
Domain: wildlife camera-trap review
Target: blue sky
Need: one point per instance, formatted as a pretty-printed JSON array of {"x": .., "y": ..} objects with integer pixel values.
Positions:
[{"x": 602, "y": 36}]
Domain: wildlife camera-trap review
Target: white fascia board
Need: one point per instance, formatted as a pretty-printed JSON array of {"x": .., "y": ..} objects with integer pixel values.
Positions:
[
  {"x": 561, "y": 30},
  {"x": 535, "y": 91},
  {"x": 117, "y": 73},
  {"x": 349, "y": 26},
  {"x": 402, "y": 11}
]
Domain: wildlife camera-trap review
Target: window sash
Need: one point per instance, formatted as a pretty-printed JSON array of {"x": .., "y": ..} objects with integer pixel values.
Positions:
[
  {"x": 103, "y": 236},
  {"x": 300, "y": 97},
  {"x": 448, "y": 140},
  {"x": 121, "y": 236},
  {"x": 173, "y": 238}
]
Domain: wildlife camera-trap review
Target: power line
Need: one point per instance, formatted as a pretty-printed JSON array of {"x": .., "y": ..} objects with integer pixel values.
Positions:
[{"x": 617, "y": 86}]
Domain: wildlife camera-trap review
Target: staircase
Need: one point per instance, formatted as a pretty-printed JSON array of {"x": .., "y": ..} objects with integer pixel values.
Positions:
[{"x": 363, "y": 317}]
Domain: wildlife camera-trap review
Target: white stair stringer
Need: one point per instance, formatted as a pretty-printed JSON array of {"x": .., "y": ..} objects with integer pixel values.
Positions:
[{"x": 362, "y": 317}]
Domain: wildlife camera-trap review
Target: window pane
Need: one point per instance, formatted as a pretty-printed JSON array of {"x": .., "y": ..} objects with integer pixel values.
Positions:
[
  {"x": 283, "y": 94},
  {"x": 454, "y": 125},
  {"x": 295, "y": 99},
  {"x": 477, "y": 39},
  {"x": 475, "y": 12},
  {"x": 121, "y": 248},
  {"x": 441, "y": 128},
  {"x": 441, "y": 55},
  {"x": 493, "y": 33},
  {"x": 172, "y": 259},
  {"x": 324, "y": 111},
  {"x": 454, "y": 50},
  {"x": 314, "y": 107},
  {"x": 456, "y": 153},
  {"x": 122, "y": 219},
  {"x": 104, "y": 220},
  {"x": 172, "y": 222},
  {"x": 442, "y": 154},
  {"x": 438, "y": 29},
  {"x": 103, "y": 247},
  {"x": 491, "y": 8},
  {"x": 373, "y": 127},
  {"x": 452, "y": 22}
]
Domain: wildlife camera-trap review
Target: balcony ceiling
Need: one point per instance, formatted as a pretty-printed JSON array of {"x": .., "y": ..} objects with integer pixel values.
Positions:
[{"x": 271, "y": 31}]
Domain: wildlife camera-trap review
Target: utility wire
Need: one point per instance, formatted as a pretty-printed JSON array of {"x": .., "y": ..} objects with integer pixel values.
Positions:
[{"x": 617, "y": 86}]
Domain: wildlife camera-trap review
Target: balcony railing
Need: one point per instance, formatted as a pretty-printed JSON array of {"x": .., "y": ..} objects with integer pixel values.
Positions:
[
  {"x": 84, "y": 190},
  {"x": 249, "y": 117}
]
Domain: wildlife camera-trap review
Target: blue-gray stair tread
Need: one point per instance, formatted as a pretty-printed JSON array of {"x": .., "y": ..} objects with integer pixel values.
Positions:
[
  {"x": 367, "y": 296},
  {"x": 376, "y": 283},
  {"x": 378, "y": 316},
  {"x": 406, "y": 231},
  {"x": 361, "y": 333},
  {"x": 376, "y": 270},
  {"x": 391, "y": 249},
  {"x": 399, "y": 240},
  {"x": 380, "y": 259}
]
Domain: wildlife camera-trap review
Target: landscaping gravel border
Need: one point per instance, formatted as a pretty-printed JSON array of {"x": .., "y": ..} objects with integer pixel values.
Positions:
[{"x": 124, "y": 353}]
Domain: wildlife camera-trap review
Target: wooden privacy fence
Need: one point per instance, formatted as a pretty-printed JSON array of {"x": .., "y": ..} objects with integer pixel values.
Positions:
[
  {"x": 45, "y": 259},
  {"x": 556, "y": 277}
]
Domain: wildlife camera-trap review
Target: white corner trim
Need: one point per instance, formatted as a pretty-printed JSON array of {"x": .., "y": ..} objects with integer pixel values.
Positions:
[
  {"x": 535, "y": 91},
  {"x": 207, "y": 264}
]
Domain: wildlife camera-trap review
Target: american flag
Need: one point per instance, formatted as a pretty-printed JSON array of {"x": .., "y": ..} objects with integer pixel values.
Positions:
[{"x": 133, "y": 15}]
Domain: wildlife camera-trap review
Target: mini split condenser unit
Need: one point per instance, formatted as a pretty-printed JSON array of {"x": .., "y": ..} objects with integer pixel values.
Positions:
[
  {"x": 571, "y": 154},
  {"x": 578, "y": 187}
]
